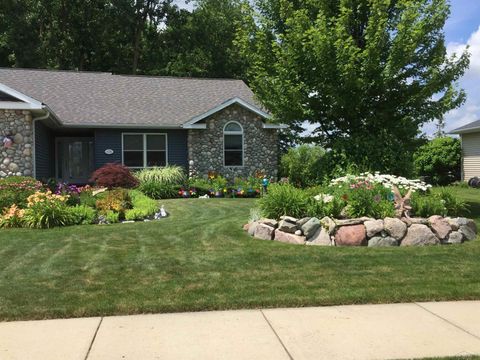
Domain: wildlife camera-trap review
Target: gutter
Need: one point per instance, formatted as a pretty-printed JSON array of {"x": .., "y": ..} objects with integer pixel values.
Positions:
[{"x": 34, "y": 145}]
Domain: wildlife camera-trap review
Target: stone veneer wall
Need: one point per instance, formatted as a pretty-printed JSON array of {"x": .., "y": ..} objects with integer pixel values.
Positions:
[
  {"x": 16, "y": 160},
  {"x": 205, "y": 147}
]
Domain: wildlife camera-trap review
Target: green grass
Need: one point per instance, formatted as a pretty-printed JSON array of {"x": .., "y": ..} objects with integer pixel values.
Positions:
[{"x": 200, "y": 259}]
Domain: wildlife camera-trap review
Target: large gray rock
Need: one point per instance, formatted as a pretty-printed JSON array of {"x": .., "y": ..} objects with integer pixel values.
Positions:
[
  {"x": 455, "y": 237},
  {"x": 302, "y": 221},
  {"x": 321, "y": 237},
  {"x": 289, "y": 238},
  {"x": 347, "y": 222},
  {"x": 329, "y": 224},
  {"x": 394, "y": 227},
  {"x": 373, "y": 227},
  {"x": 310, "y": 227},
  {"x": 288, "y": 218},
  {"x": 264, "y": 232},
  {"x": 287, "y": 226},
  {"x": 270, "y": 222},
  {"x": 440, "y": 227},
  {"x": 467, "y": 232},
  {"x": 419, "y": 235},
  {"x": 379, "y": 241}
]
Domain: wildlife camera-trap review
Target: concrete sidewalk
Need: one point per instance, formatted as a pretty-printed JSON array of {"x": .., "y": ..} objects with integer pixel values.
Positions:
[{"x": 339, "y": 332}]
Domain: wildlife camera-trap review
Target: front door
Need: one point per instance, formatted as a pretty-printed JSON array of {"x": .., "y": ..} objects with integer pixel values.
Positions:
[{"x": 75, "y": 162}]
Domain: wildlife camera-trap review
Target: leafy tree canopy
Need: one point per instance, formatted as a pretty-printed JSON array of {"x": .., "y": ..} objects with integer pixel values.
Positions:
[{"x": 365, "y": 74}]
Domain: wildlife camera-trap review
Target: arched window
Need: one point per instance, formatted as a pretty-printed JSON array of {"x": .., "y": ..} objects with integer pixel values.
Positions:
[{"x": 233, "y": 144}]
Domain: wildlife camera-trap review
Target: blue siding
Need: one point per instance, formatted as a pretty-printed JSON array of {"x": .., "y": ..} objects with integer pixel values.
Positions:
[
  {"x": 44, "y": 152},
  {"x": 112, "y": 139}
]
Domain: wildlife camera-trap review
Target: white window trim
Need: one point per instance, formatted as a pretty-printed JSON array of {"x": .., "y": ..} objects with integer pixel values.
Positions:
[
  {"x": 145, "y": 149},
  {"x": 242, "y": 133}
]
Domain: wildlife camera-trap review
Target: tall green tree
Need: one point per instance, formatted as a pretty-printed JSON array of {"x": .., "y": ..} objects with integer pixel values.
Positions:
[{"x": 365, "y": 74}]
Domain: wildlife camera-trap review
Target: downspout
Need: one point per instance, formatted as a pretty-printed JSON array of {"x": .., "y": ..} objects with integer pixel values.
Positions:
[{"x": 34, "y": 151}]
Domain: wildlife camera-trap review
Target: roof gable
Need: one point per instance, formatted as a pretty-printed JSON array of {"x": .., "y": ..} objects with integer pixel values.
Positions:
[{"x": 14, "y": 100}]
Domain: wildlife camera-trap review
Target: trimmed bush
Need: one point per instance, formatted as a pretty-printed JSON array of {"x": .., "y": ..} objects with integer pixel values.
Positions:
[
  {"x": 83, "y": 215},
  {"x": 283, "y": 199},
  {"x": 439, "y": 160},
  {"x": 142, "y": 206},
  {"x": 158, "y": 190},
  {"x": 117, "y": 200},
  {"x": 114, "y": 175}
]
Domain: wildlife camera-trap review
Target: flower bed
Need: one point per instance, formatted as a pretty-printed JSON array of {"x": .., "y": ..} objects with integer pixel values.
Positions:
[{"x": 370, "y": 209}]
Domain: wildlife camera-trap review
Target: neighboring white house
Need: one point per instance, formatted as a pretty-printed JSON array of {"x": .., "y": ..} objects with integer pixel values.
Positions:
[{"x": 470, "y": 137}]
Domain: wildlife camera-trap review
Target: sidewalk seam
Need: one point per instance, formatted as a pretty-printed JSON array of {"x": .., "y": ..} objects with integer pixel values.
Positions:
[
  {"x": 448, "y": 321},
  {"x": 278, "y": 337},
  {"x": 94, "y": 337}
]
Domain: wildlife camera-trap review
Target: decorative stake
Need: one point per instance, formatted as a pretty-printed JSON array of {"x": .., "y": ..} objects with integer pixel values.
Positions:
[
  {"x": 402, "y": 204},
  {"x": 7, "y": 142}
]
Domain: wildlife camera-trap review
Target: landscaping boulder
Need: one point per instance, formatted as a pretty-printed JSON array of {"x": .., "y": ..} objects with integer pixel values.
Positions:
[
  {"x": 419, "y": 220},
  {"x": 373, "y": 227},
  {"x": 310, "y": 227},
  {"x": 270, "y": 222},
  {"x": 289, "y": 219},
  {"x": 455, "y": 237},
  {"x": 453, "y": 223},
  {"x": 440, "y": 227},
  {"x": 264, "y": 232},
  {"x": 321, "y": 237},
  {"x": 347, "y": 222},
  {"x": 419, "y": 235},
  {"x": 328, "y": 224},
  {"x": 379, "y": 241},
  {"x": 302, "y": 221},
  {"x": 289, "y": 238},
  {"x": 351, "y": 235},
  {"x": 251, "y": 228},
  {"x": 467, "y": 232},
  {"x": 394, "y": 227},
  {"x": 287, "y": 226}
]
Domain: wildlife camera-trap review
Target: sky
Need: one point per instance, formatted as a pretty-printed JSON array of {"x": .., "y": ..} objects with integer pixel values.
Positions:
[{"x": 461, "y": 29}]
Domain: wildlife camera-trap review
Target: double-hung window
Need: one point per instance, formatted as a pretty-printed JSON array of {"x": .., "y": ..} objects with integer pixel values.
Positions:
[
  {"x": 144, "y": 150},
  {"x": 233, "y": 144}
]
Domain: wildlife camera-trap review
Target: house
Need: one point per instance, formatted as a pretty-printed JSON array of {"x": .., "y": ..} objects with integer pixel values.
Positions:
[
  {"x": 470, "y": 137},
  {"x": 66, "y": 124}
]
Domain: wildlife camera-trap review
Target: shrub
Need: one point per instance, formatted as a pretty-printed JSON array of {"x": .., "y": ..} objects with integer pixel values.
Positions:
[
  {"x": 83, "y": 215},
  {"x": 47, "y": 210},
  {"x": 15, "y": 190},
  {"x": 143, "y": 203},
  {"x": 283, "y": 199},
  {"x": 453, "y": 205},
  {"x": 303, "y": 165},
  {"x": 114, "y": 175},
  {"x": 158, "y": 190},
  {"x": 427, "y": 205},
  {"x": 367, "y": 199},
  {"x": 86, "y": 198},
  {"x": 167, "y": 175},
  {"x": 117, "y": 200},
  {"x": 72, "y": 191},
  {"x": 439, "y": 160},
  {"x": 12, "y": 217},
  {"x": 112, "y": 217}
]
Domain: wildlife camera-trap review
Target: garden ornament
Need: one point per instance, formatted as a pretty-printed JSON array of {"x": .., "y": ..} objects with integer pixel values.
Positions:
[
  {"x": 265, "y": 183},
  {"x": 402, "y": 203},
  {"x": 7, "y": 142}
]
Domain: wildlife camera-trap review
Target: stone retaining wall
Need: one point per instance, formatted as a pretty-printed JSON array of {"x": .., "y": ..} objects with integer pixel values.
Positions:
[
  {"x": 16, "y": 160},
  {"x": 205, "y": 146},
  {"x": 435, "y": 230}
]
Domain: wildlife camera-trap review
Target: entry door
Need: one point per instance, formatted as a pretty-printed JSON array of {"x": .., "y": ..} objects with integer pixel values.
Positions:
[{"x": 74, "y": 159}]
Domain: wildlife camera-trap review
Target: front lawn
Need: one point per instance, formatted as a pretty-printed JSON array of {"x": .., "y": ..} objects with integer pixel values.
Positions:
[{"x": 200, "y": 259}]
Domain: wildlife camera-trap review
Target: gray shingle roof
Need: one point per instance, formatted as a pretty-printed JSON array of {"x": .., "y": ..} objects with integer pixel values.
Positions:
[
  {"x": 96, "y": 99},
  {"x": 467, "y": 128}
]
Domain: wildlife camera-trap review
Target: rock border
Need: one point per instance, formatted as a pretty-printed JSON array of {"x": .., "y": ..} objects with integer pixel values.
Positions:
[{"x": 435, "y": 230}]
